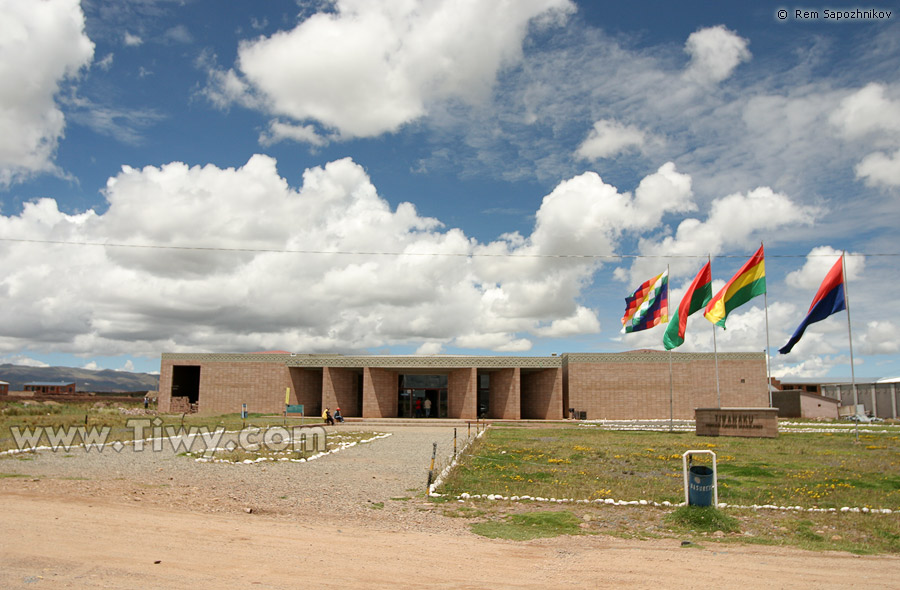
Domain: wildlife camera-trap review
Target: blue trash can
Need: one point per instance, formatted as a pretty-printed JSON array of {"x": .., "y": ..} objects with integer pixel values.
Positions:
[{"x": 700, "y": 486}]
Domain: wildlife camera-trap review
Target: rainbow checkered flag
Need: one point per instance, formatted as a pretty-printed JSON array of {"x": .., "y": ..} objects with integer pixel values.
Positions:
[{"x": 648, "y": 306}]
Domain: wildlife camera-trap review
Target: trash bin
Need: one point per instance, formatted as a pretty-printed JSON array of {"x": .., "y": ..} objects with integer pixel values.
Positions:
[
  {"x": 582, "y": 415},
  {"x": 700, "y": 486}
]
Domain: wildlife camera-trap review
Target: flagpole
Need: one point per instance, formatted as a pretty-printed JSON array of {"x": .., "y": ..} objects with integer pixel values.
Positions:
[
  {"x": 850, "y": 340},
  {"x": 715, "y": 352},
  {"x": 768, "y": 365},
  {"x": 671, "y": 382}
]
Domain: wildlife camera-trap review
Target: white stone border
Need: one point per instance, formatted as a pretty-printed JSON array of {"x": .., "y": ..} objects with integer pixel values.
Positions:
[
  {"x": 446, "y": 470},
  {"x": 340, "y": 447},
  {"x": 466, "y": 496}
]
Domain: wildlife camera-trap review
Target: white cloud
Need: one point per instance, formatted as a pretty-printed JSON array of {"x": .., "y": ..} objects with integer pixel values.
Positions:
[
  {"x": 818, "y": 262},
  {"x": 609, "y": 138},
  {"x": 23, "y": 361},
  {"x": 92, "y": 366},
  {"x": 279, "y": 131},
  {"x": 879, "y": 168},
  {"x": 734, "y": 221},
  {"x": 715, "y": 53},
  {"x": 42, "y": 44},
  {"x": 430, "y": 348},
  {"x": 867, "y": 111},
  {"x": 371, "y": 66},
  {"x": 584, "y": 321},
  {"x": 131, "y": 40},
  {"x": 871, "y": 118},
  {"x": 817, "y": 366},
  {"x": 879, "y": 337},
  {"x": 106, "y": 63},
  {"x": 253, "y": 263}
]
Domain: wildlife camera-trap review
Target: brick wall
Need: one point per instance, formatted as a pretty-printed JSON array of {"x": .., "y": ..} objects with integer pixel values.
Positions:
[
  {"x": 339, "y": 390},
  {"x": 504, "y": 394},
  {"x": 462, "y": 394},
  {"x": 542, "y": 397},
  {"x": 635, "y": 386},
  {"x": 307, "y": 390},
  {"x": 225, "y": 386},
  {"x": 380, "y": 393}
]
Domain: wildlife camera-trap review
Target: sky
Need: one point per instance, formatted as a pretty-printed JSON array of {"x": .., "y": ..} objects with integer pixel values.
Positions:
[{"x": 441, "y": 176}]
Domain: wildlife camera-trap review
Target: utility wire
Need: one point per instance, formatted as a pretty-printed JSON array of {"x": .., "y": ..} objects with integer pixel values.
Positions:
[{"x": 433, "y": 254}]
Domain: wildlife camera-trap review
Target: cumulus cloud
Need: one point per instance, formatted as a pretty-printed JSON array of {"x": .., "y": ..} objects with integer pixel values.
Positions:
[
  {"x": 42, "y": 45},
  {"x": 817, "y": 366},
  {"x": 879, "y": 337},
  {"x": 818, "y": 262},
  {"x": 370, "y": 66},
  {"x": 881, "y": 169},
  {"x": 871, "y": 117},
  {"x": 867, "y": 111},
  {"x": 715, "y": 53},
  {"x": 734, "y": 221},
  {"x": 205, "y": 258},
  {"x": 609, "y": 138}
]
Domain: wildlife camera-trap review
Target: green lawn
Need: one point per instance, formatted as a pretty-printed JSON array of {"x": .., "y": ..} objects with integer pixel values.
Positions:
[{"x": 811, "y": 470}]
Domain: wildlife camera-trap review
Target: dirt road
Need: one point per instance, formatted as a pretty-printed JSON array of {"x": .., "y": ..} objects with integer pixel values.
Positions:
[{"x": 56, "y": 542}]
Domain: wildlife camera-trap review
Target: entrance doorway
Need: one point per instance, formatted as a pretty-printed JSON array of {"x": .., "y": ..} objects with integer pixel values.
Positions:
[{"x": 422, "y": 396}]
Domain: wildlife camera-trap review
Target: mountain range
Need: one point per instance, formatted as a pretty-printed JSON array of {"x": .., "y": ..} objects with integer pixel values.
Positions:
[{"x": 85, "y": 380}]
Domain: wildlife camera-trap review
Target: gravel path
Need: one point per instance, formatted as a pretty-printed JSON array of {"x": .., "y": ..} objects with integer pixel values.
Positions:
[{"x": 383, "y": 480}]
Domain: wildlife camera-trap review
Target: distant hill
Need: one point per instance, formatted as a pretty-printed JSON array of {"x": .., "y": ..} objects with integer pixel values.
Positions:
[{"x": 107, "y": 380}]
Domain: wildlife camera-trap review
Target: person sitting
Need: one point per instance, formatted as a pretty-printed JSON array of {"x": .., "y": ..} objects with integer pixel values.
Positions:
[
  {"x": 337, "y": 415},
  {"x": 326, "y": 415}
]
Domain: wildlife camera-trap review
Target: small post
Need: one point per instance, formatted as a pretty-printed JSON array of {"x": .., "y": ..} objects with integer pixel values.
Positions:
[
  {"x": 468, "y": 430},
  {"x": 454, "y": 443},
  {"x": 431, "y": 469}
]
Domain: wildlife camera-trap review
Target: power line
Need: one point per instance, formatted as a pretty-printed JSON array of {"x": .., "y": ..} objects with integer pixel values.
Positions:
[{"x": 433, "y": 254}]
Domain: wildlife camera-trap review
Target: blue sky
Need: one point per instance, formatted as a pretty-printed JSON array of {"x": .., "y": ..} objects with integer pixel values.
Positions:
[{"x": 439, "y": 177}]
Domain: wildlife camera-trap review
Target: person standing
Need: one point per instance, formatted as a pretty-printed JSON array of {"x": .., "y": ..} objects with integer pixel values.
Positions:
[
  {"x": 418, "y": 407},
  {"x": 428, "y": 407}
]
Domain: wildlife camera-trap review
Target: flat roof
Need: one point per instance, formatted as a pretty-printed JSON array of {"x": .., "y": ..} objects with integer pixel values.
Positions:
[{"x": 442, "y": 361}]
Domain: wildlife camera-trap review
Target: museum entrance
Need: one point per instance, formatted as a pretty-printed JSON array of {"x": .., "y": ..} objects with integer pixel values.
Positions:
[{"x": 422, "y": 396}]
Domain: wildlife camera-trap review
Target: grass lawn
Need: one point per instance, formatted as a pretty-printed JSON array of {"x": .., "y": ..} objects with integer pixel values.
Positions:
[{"x": 811, "y": 470}]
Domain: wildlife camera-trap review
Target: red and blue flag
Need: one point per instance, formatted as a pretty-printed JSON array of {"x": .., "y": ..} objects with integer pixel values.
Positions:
[{"x": 829, "y": 300}]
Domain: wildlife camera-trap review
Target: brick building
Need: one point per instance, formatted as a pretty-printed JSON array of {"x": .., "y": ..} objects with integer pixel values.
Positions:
[
  {"x": 612, "y": 386},
  {"x": 51, "y": 387},
  {"x": 4, "y": 388}
]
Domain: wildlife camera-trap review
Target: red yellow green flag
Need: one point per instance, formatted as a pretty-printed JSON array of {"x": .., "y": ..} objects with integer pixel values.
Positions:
[{"x": 749, "y": 282}]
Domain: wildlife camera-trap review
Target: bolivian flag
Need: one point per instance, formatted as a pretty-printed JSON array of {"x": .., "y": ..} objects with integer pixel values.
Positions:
[{"x": 749, "y": 282}]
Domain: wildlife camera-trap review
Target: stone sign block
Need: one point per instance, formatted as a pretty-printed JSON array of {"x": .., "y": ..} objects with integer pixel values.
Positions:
[{"x": 747, "y": 422}]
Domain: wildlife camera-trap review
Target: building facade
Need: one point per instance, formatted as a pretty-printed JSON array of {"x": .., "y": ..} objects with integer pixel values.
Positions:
[
  {"x": 602, "y": 386},
  {"x": 51, "y": 387}
]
